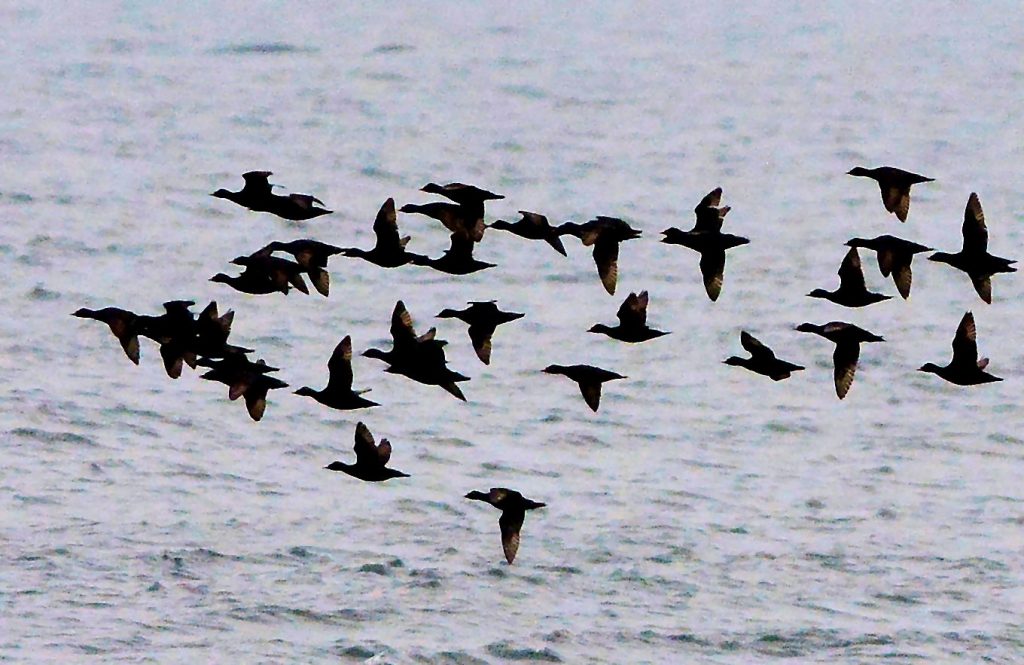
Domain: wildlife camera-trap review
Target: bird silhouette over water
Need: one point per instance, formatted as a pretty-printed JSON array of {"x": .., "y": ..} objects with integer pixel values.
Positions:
[
  {"x": 513, "y": 507},
  {"x": 212, "y": 332},
  {"x": 281, "y": 272},
  {"x": 311, "y": 255},
  {"x": 253, "y": 281},
  {"x": 418, "y": 357},
  {"x": 257, "y": 195},
  {"x": 974, "y": 258},
  {"x": 175, "y": 332},
  {"x": 338, "y": 393},
  {"x": 123, "y": 324},
  {"x": 533, "y": 226},
  {"x": 847, "y": 338},
  {"x": 457, "y": 259},
  {"x": 895, "y": 186},
  {"x": 244, "y": 378},
  {"x": 589, "y": 379},
  {"x": 894, "y": 257},
  {"x": 852, "y": 291},
  {"x": 483, "y": 318},
  {"x": 965, "y": 369},
  {"x": 389, "y": 250},
  {"x": 632, "y": 317},
  {"x": 371, "y": 459},
  {"x": 465, "y": 217},
  {"x": 604, "y": 234},
  {"x": 762, "y": 360},
  {"x": 707, "y": 239}
]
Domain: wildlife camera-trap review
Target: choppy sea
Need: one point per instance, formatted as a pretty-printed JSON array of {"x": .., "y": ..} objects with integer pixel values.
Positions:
[{"x": 703, "y": 515}]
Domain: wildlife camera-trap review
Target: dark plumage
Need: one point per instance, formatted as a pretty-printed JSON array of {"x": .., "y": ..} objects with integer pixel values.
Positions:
[
  {"x": 244, "y": 378},
  {"x": 847, "y": 338},
  {"x": 418, "y": 357},
  {"x": 762, "y": 360},
  {"x": 605, "y": 234},
  {"x": 707, "y": 239},
  {"x": 457, "y": 259},
  {"x": 632, "y": 321},
  {"x": 895, "y": 186},
  {"x": 894, "y": 257},
  {"x": 852, "y": 291},
  {"x": 338, "y": 393},
  {"x": 533, "y": 226},
  {"x": 965, "y": 369},
  {"x": 212, "y": 332},
  {"x": 122, "y": 323},
  {"x": 252, "y": 281},
  {"x": 974, "y": 258},
  {"x": 257, "y": 195},
  {"x": 371, "y": 459},
  {"x": 389, "y": 250},
  {"x": 312, "y": 256},
  {"x": 483, "y": 318},
  {"x": 464, "y": 218},
  {"x": 589, "y": 379},
  {"x": 467, "y": 195},
  {"x": 513, "y": 507},
  {"x": 175, "y": 332},
  {"x": 281, "y": 272}
]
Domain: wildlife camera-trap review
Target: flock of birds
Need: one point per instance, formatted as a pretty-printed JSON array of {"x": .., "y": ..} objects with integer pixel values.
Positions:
[{"x": 202, "y": 341}]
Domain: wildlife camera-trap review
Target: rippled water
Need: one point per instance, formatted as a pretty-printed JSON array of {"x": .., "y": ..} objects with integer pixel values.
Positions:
[{"x": 703, "y": 515}]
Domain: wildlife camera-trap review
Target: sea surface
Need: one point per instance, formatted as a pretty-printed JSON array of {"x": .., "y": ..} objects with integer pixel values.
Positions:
[{"x": 704, "y": 515}]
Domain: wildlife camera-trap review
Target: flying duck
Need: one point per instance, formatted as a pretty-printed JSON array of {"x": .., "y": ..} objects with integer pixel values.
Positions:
[
  {"x": 257, "y": 195},
  {"x": 847, "y": 338},
  {"x": 605, "y": 234},
  {"x": 895, "y": 186},
  {"x": 389, "y": 250},
  {"x": 533, "y": 226},
  {"x": 338, "y": 393},
  {"x": 589, "y": 379},
  {"x": 513, "y": 507},
  {"x": 894, "y": 257},
  {"x": 122, "y": 323},
  {"x": 852, "y": 291},
  {"x": 632, "y": 321},
  {"x": 762, "y": 360},
  {"x": 483, "y": 318},
  {"x": 965, "y": 369},
  {"x": 371, "y": 459}
]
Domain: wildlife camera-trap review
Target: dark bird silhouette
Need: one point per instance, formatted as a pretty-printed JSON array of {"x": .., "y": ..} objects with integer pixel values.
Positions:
[
  {"x": 604, "y": 234},
  {"x": 965, "y": 369},
  {"x": 212, "y": 332},
  {"x": 465, "y": 217},
  {"x": 281, "y": 272},
  {"x": 122, "y": 323},
  {"x": 258, "y": 195},
  {"x": 483, "y": 318},
  {"x": 533, "y": 226},
  {"x": 762, "y": 360},
  {"x": 457, "y": 259},
  {"x": 371, "y": 459},
  {"x": 847, "y": 338},
  {"x": 253, "y": 281},
  {"x": 338, "y": 393},
  {"x": 632, "y": 321},
  {"x": 852, "y": 291},
  {"x": 175, "y": 332},
  {"x": 894, "y": 257},
  {"x": 974, "y": 258},
  {"x": 895, "y": 186},
  {"x": 418, "y": 357},
  {"x": 389, "y": 250},
  {"x": 707, "y": 239},
  {"x": 513, "y": 507},
  {"x": 244, "y": 378},
  {"x": 589, "y": 379},
  {"x": 312, "y": 255}
]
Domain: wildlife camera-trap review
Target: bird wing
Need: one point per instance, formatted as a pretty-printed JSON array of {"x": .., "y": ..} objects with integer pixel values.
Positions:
[
  {"x": 983, "y": 285},
  {"x": 965, "y": 343},
  {"x": 606, "y": 256},
  {"x": 712, "y": 268},
  {"x": 975, "y": 232},
  {"x": 340, "y": 367},
  {"x": 402, "y": 331},
  {"x": 902, "y": 276},
  {"x": 256, "y": 182},
  {"x": 896, "y": 198},
  {"x": 304, "y": 201},
  {"x": 851, "y": 275},
  {"x": 845, "y": 361},
  {"x": 366, "y": 449},
  {"x": 591, "y": 391},
  {"x": 711, "y": 200},
  {"x": 511, "y": 523},
  {"x": 385, "y": 227},
  {"x": 633, "y": 311},
  {"x": 384, "y": 451},
  {"x": 757, "y": 350},
  {"x": 480, "y": 335},
  {"x": 256, "y": 402}
]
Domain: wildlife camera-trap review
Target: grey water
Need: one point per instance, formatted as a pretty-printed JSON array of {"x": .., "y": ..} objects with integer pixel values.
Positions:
[{"x": 703, "y": 515}]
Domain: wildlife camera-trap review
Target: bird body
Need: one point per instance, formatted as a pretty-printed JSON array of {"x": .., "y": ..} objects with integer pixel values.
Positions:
[
  {"x": 847, "y": 337},
  {"x": 852, "y": 291},
  {"x": 338, "y": 393},
  {"x": 533, "y": 226},
  {"x": 371, "y": 459},
  {"x": 632, "y": 317},
  {"x": 965, "y": 369},
  {"x": 483, "y": 318},
  {"x": 389, "y": 250},
  {"x": 762, "y": 360},
  {"x": 895, "y": 186},
  {"x": 589, "y": 379},
  {"x": 513, "y": 507},
  {"x": 894, "y": 258},
  {"x": 258, "y": 195},
  {"x": 604, "y": 234}
]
